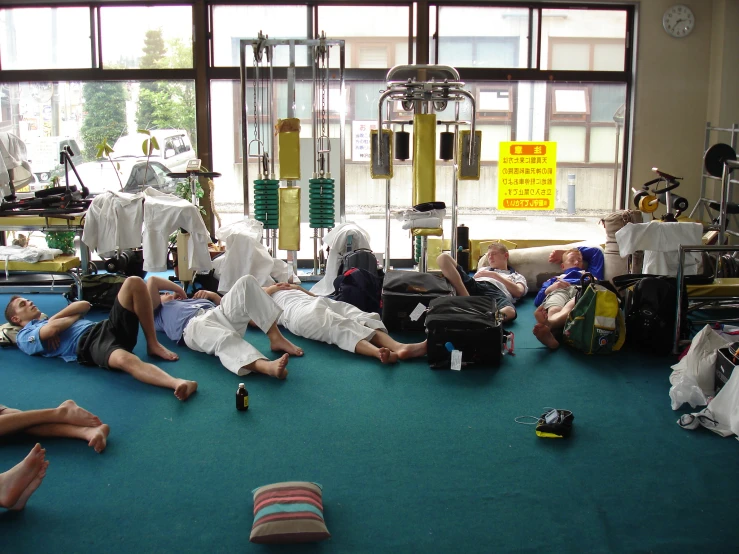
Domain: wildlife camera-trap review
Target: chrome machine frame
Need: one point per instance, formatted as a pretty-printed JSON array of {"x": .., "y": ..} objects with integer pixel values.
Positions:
[
  {"x": 263, "y": 47},
  {"x": 423, "y": 88}
]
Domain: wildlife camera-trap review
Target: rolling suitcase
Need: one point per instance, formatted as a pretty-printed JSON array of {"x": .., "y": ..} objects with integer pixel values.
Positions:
[
  {"x": 468, "y": 324},
  {"x": 402, "y": 291}
]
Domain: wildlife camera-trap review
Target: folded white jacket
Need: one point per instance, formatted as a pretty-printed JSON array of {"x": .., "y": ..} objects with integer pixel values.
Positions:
[{"x": 425, "y": 223}]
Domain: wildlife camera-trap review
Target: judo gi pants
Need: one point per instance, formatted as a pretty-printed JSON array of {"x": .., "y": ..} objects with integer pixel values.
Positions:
[
  {"x": 220, "y": 331},
  {"x": 331, "y": 321}
]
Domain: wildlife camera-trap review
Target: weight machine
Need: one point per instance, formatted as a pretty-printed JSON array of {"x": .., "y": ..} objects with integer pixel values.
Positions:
[
  {"x": 424, "y": 90},
  {"x": 651, "y": 196},
  {"x": 278, "y": 208},
  {"x": 722, "y": 212}
]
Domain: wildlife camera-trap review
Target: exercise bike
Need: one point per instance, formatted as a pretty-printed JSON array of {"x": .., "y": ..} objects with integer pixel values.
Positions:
[{"x": 652, "y": 195}]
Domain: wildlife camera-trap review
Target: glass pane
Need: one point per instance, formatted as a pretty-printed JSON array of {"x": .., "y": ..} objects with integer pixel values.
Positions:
[
  {"x": 603, "y": 145},
  {"x": 231, "y": 24},
  {"x": 83, "y": 115},
  {"x": 590, "y": 40},
  {"x": 483, "y": 37},
  {"x": 146, "y": 38},
  {"x": 608, "y": 103},
  {"x": 45, "y": 38},
  {"x": 362, "y": 27},
  {"x": 570, "y": 143}
]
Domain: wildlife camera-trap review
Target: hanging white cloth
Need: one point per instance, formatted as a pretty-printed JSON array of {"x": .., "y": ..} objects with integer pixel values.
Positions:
[
  {"x": 245, "y": 255},
  {"x": 163, "y": 215},
  {"x": 336, "y": 241},
  {"x": 114, "y": 220},
  {"x": 660, "y": 242}
]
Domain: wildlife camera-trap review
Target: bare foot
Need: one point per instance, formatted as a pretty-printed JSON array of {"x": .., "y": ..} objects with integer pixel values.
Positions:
[
  {"x": 545, "y": 336},
  {"x": 98, "y": 437},
  {"x": 412, "y": 350},
  {"x": 387, "y": 356},
  {"x": 17, "y": 479},
  {"x": 281, "y": 344},
  {"x": 540, "y": 314},
  {"x": 160, "y": 352},
  {"x": 274, "y": 368},
  {"x": 184, "y": 389},
  {"x": 31, "y": 488},
  {"x": 74, "y": 415}
]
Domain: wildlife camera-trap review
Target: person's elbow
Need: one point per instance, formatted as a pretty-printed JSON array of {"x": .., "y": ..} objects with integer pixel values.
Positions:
[{"x": 518, "y": 292}]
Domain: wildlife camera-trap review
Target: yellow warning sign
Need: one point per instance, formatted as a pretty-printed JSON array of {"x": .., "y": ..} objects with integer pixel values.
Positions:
[{"x": 527, "y": 175}]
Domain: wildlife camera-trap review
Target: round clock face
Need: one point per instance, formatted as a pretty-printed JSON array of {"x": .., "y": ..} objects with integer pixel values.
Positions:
[{"x": 678, "y": 21}]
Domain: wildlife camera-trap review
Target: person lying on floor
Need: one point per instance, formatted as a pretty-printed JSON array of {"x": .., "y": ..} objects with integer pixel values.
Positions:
[
  {"x": 68, "y": 421},
  {"x": 556, "y": 298},
  {"x": 21, "y": 481},
  {"x": 214, "y": 325},
  {"x": 497, "y": 280},
  {"x": 108, "y": 343},
  {"x": 320, "y": 318}
]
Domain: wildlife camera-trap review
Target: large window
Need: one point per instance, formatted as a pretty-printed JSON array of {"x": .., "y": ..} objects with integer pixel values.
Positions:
[{"x": 536, "y": 72}]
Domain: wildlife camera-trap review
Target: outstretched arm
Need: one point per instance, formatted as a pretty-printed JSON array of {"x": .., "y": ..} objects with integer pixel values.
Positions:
[
  {"x": 593, "y": 256},
  {"x": 156, "y": 284}
]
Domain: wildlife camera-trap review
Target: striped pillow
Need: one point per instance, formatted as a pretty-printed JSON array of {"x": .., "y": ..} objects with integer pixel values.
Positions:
[{"x": 288, "y": 512}]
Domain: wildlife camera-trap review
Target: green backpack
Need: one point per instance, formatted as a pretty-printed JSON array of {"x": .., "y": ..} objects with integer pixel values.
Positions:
[{"x": 596, "y": 323}]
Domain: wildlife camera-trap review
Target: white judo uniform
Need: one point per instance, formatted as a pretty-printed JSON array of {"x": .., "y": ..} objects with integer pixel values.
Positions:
[
  {"x": 325, "y": 320},
  {"x": 220, "y": 331}
]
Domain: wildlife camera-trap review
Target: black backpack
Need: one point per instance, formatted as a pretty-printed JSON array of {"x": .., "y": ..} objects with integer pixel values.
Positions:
[
  {"x": 360, "y": 288},
  {"x": 362, "y": 258},
  {"x": 650, "y": 313},
  {"x": 99, "y": 290}
]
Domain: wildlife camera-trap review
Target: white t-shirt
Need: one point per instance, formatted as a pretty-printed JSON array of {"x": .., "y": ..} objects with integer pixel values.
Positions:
[{"x": 514, "y": 276}]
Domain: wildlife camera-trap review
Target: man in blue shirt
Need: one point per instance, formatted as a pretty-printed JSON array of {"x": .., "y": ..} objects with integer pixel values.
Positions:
[
  {"x": 556, "y": 298},
  {"x": 108, "y": 343},
  {"x": 214, "y": 325}
]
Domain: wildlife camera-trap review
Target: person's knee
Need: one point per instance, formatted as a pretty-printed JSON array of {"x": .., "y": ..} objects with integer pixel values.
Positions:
[
  {"x": 509, "y": 312},
  {"x": 444, "y": 259}
]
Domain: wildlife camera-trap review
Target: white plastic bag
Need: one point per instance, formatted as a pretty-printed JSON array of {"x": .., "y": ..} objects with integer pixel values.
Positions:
[
  {"x": 685, "y": 389},
  {"x": 699, "y": 364}
]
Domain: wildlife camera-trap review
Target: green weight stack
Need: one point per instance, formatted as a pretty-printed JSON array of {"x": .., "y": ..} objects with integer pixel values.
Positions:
[
  {"x": 267, "y": 202},
  {"x": 321, "y": 204},
  {"x": 418, "y": 248}
]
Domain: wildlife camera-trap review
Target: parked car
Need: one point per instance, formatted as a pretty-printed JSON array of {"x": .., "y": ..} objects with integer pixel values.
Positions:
[
  {"x": 43, "y": 155},
  {"x": 175, "y": 149},
  {"x": 100, "y": 176}
]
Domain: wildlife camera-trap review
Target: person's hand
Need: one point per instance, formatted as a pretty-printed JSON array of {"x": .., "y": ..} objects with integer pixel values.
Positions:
[
  {"x": 561, "y": 285},
  {"x": 181, "y": 295},
  {"x": 556, "y": 256},
  {"x": 52, "y": 343},
  {"x": 205, "y": 294}
]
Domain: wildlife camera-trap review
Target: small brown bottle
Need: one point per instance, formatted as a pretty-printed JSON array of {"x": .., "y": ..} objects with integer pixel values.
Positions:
[{"x": 242, "y": 398}]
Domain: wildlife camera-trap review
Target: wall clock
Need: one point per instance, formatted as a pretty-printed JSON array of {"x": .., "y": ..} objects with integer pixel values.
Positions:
[{"x": 678, "y": 21}]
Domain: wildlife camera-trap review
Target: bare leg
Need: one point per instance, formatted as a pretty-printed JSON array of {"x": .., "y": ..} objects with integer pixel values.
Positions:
[
  {"x": 278, "y": 342},
  {"x": 384, "y": 354},
  {"x": 448, "y": 268},
  {"x": 404, "y": 351},
  {"x": 150, "y": 374},
  {"x": 274, "y": 368},
  {"x": 16, "y": 480},
  {"x": 550, "y": 321},
  {"x": 135, "y": 297},
  {"x": 68, "y": 412}
]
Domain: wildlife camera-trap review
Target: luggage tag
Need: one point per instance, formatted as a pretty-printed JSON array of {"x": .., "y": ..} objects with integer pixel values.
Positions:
[
  {"x": 456, "y": 360},
  {"x": 417, "y": 312}
]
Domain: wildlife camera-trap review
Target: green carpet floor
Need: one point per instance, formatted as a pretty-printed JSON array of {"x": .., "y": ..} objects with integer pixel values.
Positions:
[{"x": 411, "y": 459}]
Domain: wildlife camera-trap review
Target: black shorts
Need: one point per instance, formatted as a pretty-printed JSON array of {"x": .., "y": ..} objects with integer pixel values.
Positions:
[
  {"x": 484, "y": 288},
  {"x": 118, "y": 332}
]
